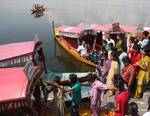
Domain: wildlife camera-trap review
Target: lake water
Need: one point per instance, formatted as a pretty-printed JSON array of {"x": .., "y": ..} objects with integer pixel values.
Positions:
[{"x": 17, "y": 23}]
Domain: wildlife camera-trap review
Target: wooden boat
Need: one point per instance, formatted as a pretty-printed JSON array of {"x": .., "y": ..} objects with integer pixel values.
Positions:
[
  {"x": 39, "y": 9},
  {"x": 16, "y": 89},
  {"x": 69, "y": 37},
  {"x": 21, "y": 53},
  {"x": 21, "y": 73},
  {"x": 38, "y": 12},
  {"x": 82, "y": 77},
  {"x": 73, "y": 51}
]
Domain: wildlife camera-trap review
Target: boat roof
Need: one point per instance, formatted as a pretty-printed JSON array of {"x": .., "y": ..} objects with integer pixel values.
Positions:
[
  {"x": 106, "y": 27},
  {"x": 13, "y": 84},
  {"x": 72, "y": 29},
  {"x": 12, "y": 50}
]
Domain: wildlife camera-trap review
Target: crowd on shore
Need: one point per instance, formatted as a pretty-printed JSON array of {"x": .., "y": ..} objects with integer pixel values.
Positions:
[{"x": 120, "y": 72}]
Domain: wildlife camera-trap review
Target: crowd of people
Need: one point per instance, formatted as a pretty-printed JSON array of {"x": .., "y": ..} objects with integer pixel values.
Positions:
[
  {"x": 120, "y": 72},
  {"x": 74, "y": 91},
  {"x": 128, "y": 57}
]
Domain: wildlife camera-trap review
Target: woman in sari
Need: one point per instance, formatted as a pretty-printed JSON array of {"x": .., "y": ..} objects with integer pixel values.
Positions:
[
  {"x": 143, "y": 76},
  {"x": 114, "y": 70},
  {"x": 128, "y": 75},
  {"x": 135, "y": 54}
]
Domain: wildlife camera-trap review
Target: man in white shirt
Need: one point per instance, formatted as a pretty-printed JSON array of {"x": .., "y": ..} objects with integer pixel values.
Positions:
[
  {"x": 108, "y": 39},
  {"x": 145, "y": 39},
  {"x": 82, "y": 49}
]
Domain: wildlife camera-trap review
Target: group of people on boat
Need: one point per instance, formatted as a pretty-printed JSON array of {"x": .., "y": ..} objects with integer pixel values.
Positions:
[
  {"x": 123, "y": 70},
  {"x": 89, "y": 54}
]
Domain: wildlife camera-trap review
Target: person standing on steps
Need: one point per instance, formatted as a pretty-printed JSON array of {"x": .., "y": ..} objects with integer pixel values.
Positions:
[{"x": 75, "y": 93}]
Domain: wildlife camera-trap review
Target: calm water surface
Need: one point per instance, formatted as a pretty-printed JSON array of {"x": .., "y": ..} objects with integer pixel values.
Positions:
[{"x": 17, "y": 23}]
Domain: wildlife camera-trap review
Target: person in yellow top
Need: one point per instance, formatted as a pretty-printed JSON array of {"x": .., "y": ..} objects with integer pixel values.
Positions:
[
  {"x": 143, "y": 76},
  {"x": 113, "y": 71}
]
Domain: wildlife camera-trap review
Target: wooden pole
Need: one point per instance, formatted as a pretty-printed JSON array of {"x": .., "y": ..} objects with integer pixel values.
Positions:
[
  {"x": 94, "y": 43},
  {"x": 53, "y": 27}
]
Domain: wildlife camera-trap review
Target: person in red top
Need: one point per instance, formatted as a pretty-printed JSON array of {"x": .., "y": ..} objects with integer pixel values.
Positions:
[
  {"x": 135, "y": 54},
  {"x": 121, "y": 99},
  {"x": 127, "y": 71},
  {"x": 128, "y": 74}
]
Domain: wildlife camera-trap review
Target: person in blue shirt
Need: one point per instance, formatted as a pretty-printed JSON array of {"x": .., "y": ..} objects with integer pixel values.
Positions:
[{"x": 75, "y": 91}]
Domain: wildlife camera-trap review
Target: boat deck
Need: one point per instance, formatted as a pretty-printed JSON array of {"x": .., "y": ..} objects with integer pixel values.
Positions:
[{"x": 71, "y": 50}]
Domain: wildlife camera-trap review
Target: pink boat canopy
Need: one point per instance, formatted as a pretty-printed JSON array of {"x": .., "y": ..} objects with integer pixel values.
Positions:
[
  {"x": 13, "y": 88},
  {"x": 108, "y": 27},
  {"x": 74, "y": 31},
  {"x": 71, "y": 31},
  {"x": 15, "y": 84},
  {"x": 15, "y": 53}
]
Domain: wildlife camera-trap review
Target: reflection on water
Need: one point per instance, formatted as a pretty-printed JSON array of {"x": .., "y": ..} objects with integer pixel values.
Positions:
[{"x": 17, "y": 23}]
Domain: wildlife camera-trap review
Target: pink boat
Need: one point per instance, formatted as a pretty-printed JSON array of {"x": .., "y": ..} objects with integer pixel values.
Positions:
[
  {"x": 19, "y": 87},
  {"x": 17, "y": 54},
  {"x": 70, "y": 37}
]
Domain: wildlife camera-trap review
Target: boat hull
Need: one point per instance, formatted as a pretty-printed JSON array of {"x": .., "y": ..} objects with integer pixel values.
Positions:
[{"x": 73, "y": 52}]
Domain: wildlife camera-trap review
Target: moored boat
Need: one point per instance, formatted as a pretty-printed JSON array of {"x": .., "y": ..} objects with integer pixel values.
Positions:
[
  {"x": 70, "y": 37},
  {"x": 19, "y": 53},
  {"x": 20, "y": 90},
  {"x": 82, "y": 77},
  {"x": 84, "y": 109}
]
